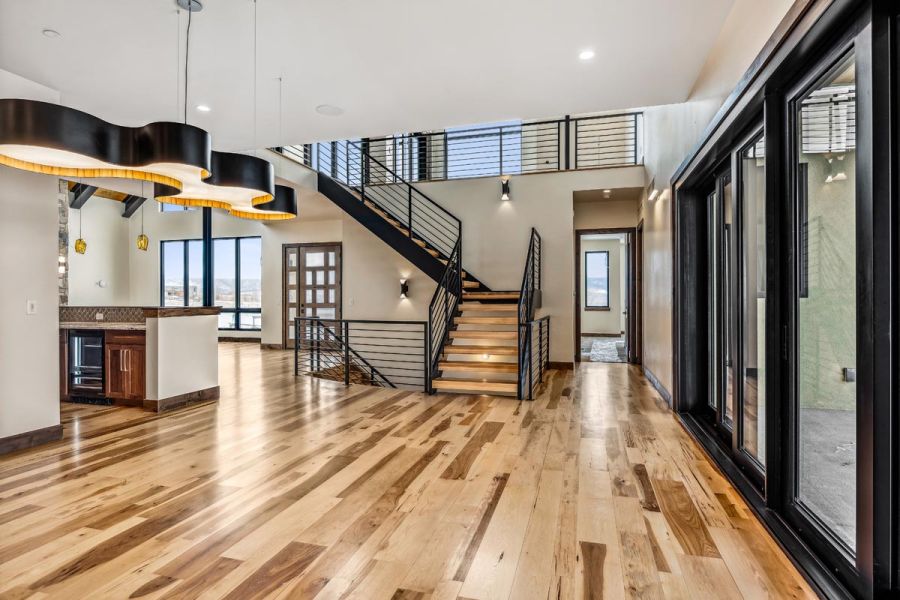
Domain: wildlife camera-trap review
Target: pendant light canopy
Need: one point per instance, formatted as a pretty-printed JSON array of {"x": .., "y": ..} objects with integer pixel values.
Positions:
[{"x": 178, "y": 159}]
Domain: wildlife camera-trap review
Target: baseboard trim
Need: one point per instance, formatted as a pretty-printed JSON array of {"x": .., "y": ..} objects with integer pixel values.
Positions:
[
  {"x": 239, "y": 339},
  {"x": 30, "y": 439},
  {"x": 182, "y": 400},
  {"x": 562, "y": 366},
  {"x": 659, "y": 387},
  {"x": 272, "y": 346}
]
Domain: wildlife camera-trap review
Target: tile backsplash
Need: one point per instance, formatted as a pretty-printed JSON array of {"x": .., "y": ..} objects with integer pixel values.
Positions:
[{"x": 112, "y": 314}]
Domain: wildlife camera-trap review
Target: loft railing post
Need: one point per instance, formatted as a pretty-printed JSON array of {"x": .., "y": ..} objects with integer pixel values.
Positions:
[
  {"x": 409, "y": 209},
  {"x": 634, "y": 159},
  {"x": 566, "y": 138},
  {"x": 427, "y": 362},
  {"x": 346, "y": 336},
  {"x": 363, "y": 171}
]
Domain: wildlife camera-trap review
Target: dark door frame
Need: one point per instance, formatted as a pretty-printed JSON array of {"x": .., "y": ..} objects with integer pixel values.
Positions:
[
  {"x": 285, "y": 343},
  {"x": 634, "y": 272}
]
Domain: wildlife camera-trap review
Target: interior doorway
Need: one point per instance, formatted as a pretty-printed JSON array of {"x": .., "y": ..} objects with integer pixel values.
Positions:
[
  {"x": 607, "y": 303},
  {"x": 312, "y": 284}
]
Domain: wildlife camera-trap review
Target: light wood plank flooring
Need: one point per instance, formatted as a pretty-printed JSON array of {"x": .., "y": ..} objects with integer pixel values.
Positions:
[{"x": 302, "y": 488}]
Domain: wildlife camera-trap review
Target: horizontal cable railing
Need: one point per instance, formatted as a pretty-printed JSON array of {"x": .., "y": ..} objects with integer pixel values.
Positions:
[
  {"x": 349, "y": 163},
  {"x": 537, "y": 358},
  {"x": 370, "y": 352},
  {"x": 529, "y": 299},
  {"x": 503, "y": 149}
]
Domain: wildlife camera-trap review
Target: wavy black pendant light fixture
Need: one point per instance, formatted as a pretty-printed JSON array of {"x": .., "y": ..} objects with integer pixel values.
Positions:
[{"x": 176, "y": 157}]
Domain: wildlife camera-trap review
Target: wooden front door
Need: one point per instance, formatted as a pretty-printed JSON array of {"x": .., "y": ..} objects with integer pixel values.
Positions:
[{"x": 312, "y": 284}]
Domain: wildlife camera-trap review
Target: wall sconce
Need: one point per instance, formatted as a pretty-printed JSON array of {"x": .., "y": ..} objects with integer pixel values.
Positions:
[
  {"x": 404, "y": 288},
  {"x": 504, "y": 188}
]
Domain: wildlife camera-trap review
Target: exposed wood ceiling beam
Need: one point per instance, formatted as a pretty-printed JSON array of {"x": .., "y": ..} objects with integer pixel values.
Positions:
[{"x": 132, "y": 203}]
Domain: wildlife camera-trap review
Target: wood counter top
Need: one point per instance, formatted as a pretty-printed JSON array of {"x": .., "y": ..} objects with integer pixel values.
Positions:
[{"x": 180, "y": 311}]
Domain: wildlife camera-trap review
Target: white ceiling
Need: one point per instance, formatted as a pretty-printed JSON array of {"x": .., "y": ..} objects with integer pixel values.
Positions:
[{"x": 392, "y": 65}]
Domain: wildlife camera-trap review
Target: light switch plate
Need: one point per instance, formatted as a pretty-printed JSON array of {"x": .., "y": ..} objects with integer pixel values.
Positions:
[{"x": 31, "y": 307}]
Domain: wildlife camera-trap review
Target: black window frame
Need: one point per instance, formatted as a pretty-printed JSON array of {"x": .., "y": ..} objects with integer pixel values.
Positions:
[
  {"x": 237, "y": 311},
  {"x": 589, "y": 306}
]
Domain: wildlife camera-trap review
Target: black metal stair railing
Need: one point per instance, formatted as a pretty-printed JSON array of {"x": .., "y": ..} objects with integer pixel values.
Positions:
[
  {"x": 529, "y": 302},
  {"x": 419, "y": 216},
  {"x": 381, "y": 353},
  {"x": 444, "y": 306}
]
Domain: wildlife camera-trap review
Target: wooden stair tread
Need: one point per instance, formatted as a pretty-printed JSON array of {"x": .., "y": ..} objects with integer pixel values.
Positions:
[
  {"x": 474, "y": 385},
  {"x": 491, "y": 296},
  {"x": 462, "y": 365},
  {"x": 470, "y": 284},
  {"x": 484, "y": 335},
  {"x": 487, "y": 320},
  {"x": 478, "y": 307},
  {"x": 450, "y": 349}
]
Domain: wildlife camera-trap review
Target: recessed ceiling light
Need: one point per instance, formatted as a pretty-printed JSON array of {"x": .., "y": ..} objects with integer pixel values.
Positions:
[
  {"x": 607, "y": 191},
  {"x": 203, "y": 108},
  {"x": 586, "y": 54},
  {"x": 50, "y": 33},
  {"x": 329, "y": 110}
]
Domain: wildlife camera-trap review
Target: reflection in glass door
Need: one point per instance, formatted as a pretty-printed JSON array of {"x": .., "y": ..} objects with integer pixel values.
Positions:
[
  {"x": 312, "y": 284},
  {"x": 752, "y": 167},
  {"x": 825, "y": 303}
]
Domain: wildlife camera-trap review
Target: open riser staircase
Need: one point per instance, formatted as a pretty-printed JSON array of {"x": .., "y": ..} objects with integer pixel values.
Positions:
[{"x": 479, "y": 340}]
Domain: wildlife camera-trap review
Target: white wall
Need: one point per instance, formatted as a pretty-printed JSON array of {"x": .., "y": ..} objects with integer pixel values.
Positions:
[
  {"x": 107, "y": 257},
  {"x": 29, "y": 344},
  {"x": 181, "y": 355},
  {"x": 496, "y": 234}
]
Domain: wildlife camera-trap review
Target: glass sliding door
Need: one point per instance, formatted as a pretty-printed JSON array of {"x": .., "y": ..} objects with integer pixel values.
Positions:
[
  {"x": 751, "y": 165},
  {"x": 825, "y": 303}
]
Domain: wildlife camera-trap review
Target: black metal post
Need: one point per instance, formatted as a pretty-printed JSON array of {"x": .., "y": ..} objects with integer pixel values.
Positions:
[
  {"x": 346, "y": 334},
  {"x": 541, "y": 351},
  {"x": 427, "y": 363},
  {"x": 501, "y": 151},
  {"x": 296, "y": 348},
  {"x": 568, "y": 122},
  {"x": 409, "y": 214},
  {"x": 207, "y": 258}
]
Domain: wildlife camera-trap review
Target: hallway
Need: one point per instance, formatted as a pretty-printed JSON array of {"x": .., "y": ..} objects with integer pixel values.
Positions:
[{"x": 301, "y": 488}]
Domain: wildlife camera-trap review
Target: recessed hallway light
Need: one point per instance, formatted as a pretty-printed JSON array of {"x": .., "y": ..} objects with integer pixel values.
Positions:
[
  {"x": 587, "y": 54},
  {"x": 203, "y": 108}
]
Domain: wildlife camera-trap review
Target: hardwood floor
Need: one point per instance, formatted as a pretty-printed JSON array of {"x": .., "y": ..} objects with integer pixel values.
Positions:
[{"x": 302, "y": 488}]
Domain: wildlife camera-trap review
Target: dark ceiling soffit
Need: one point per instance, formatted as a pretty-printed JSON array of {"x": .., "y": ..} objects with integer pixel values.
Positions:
[
  {"x": 81, "y": 193},
  {"x": 807, "y": 11},
  {"x": 132, "y": 203}
]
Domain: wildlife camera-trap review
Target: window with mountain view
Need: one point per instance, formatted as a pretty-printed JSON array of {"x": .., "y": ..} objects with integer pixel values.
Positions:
[{"x": 596, "y": 279}]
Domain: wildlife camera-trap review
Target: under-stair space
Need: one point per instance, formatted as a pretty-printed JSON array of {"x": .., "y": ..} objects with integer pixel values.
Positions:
[{"x": 481, "y": 355}]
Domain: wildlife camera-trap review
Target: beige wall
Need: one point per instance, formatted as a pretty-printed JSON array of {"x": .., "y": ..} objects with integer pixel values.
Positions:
[
  {"x": 604, "y": 214},
  {"x": 100, "y": 276},
  {"x": 605, "y": 321},
  {"x": 496, "y": 234},
  {"x": 29, "y": 343}
]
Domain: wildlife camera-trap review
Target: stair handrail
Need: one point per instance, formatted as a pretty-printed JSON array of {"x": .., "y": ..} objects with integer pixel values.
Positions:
[
  {"x": 344, "y": 345},
  {"x": 529, "y": 297},
  {"x": 423, "y": 217},
  {"x": 443, "y": 308}
]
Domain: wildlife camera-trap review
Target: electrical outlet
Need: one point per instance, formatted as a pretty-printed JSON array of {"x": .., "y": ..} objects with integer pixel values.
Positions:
[
  {"x": 98, "y": 316},
  {"x": 30, "y": 307}
]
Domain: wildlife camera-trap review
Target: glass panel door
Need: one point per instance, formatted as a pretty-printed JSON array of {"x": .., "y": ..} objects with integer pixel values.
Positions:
[
  {"x": 752, "y": 166},
  {"x": 826, "y": 303},
  {"x": 312, "y": 284}
]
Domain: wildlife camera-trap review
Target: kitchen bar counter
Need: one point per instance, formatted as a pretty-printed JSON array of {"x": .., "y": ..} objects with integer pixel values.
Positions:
[
  {"x": 168, "y": 360},
  {"x": 103, "y": 325}
]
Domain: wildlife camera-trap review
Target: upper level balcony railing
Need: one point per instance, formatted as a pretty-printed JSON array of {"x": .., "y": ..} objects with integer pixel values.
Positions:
[{"x": 498, "y": 149}]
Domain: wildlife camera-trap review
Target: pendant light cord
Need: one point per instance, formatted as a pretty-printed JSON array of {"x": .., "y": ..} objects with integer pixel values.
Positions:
[{"x": 187, "y": 53}]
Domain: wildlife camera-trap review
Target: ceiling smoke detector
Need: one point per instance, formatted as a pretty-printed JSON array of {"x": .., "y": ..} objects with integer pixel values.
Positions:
[{"x": 191, "y": 5}]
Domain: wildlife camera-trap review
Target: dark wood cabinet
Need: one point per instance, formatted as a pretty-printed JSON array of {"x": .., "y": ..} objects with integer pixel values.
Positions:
[
  {"x": 125, "y": 360},
  {"x": 63, "y": 365}
]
